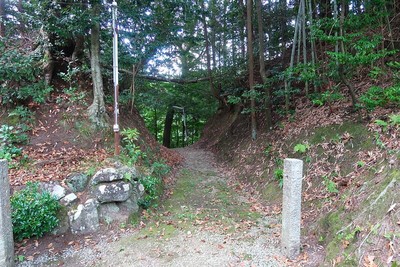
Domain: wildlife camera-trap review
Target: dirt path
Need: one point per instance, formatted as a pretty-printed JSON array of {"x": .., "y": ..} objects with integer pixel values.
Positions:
[{"x": 205, "y": 222}]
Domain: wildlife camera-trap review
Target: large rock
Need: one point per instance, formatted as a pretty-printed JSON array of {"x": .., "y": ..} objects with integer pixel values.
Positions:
[
  {"x": 58, "y": 192},
  {"x": 129, "y": 173},
  {"x": 85, "y": 219},
  {"x": 77, "y": 182},
  {"x": 109, "y": 212},
  {"x": 69, "y": 199},
  {"x": 63, "y": 224},
  {"x": 129, "y": 206},
  {"x": 106, "y": 175},
  {"x": 112, "y": 192}
]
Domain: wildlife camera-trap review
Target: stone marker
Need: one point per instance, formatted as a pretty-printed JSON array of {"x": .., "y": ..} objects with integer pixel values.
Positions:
[
  {"x": 291, "y": 207},
  {"x": 6, "y": 233}
]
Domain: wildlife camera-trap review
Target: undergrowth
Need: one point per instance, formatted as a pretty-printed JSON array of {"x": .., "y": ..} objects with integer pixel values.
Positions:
[{"x": 34, "y": 212}]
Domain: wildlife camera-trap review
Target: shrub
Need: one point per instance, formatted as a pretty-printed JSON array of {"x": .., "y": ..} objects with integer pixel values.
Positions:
[
  {"x": 301, "y": 148},
  {"x": 20, "y": 77},
  {"x": 279, "y": 177},
  {"x": 34, "y": 213},
  {"x": 131, "y": 152},
  {"x": 9, "y": 137},
  {"x": 379, "y": 97},
  {"x": 151, "y": 186}
]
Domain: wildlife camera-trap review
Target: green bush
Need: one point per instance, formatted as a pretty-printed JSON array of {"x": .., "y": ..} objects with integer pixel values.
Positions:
[
  {"x": 325, "y": 97},
  {"x": 20, "y": 76},
  {"x": 34, "y": 213},
  {"x": 10, "y": 137},
  {"x": 153, "y": 184},
  {"x": 131, "y": 152},
  {"x": 278, "y": 174},
  {"x": 152, "y": 187},
  {"x": 379, "y": 97}
]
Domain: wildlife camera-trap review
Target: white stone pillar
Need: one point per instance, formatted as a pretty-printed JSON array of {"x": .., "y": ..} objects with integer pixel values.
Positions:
[
  {"x": 6, "y": 233},
  {"x": 291, "y": 207}
]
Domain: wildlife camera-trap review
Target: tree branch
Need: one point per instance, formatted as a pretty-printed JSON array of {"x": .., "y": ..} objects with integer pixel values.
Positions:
[{"x": 160, "y": 79}]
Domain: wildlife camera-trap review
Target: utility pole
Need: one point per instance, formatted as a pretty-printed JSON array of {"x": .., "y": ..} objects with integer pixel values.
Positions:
[{"x": 115, "y": 78}]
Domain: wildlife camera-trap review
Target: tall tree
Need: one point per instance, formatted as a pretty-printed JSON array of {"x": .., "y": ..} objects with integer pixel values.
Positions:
[
  {"x": 303, "y": 32},
  {"x": 251, "y": 69},
  {"x": 213, "y": 89},
  {"x": 268, "y": 116},
  {"x": 341, "y": 66},
  {"x": 96, "y": 111},
  {"x": 2, "y": 18}
]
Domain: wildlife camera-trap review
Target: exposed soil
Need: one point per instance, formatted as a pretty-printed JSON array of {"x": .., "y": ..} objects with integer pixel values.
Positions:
[
  {"x": 207, "y": 220},
  {"x": 63, "y": 140}
]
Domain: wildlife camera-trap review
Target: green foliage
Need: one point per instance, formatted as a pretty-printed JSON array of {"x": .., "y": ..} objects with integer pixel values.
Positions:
[
  {"x": 360, "y": 164},
  {"x": 379, "y": 97},
  {"x": 382, "y": 124},
  {"x": 152, "y": 184},
  {"x": 24, "y": 114},
  {"x": 395, "y": 66},
  {"x": 330, "y": 185},
  {"x": 278, "y": 174},
  {"x": 10, "y": 137},
  {"x": 72, "y": 93},
  {"x": 394, "y": 119},
  {"x": 353, "y": 234},
  {"x": 267, "y": 150},
  {"x": 365, "y": 50},
  {"x": 20, "y": 77},
  {"x": 160, "y": 169},
  {"x": 153, "y": 100},
  {"x": 325, "y": 97},
  {"x": 20, "y": 258},
  {"x": 34, "y": 213},
  {"x": 301, "y": 148},
  {"x": 376, "y": 72},
  {"x": 131, "y": 152},
  {"x": 302, "y": 72},
  {"x": 379, "y": 142},
  {"x": 233, "y": 100}
]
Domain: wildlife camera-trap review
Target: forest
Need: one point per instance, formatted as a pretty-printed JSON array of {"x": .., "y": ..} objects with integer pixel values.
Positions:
[{"x": 252, "y": 81}]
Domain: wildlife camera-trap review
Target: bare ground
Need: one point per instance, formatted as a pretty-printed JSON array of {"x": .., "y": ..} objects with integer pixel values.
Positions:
[{"x": 206, "y": 221}]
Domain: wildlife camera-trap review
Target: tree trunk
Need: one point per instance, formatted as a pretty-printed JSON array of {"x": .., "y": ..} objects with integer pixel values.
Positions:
[
  {"x": 169, "y": 118},
  {"x": 20, "y": 9},
  {"x": 215, "y": 92},
  {"x": 312, "y": 41},
  {"x": 341, "y": 67},
  {"x": 242, "y": 19},
  {"x": 268, "y": 116},
  {"x": 97, "y": 110},
  {"x": 303, "y": 27},
  {"x": 77, "y": 55},
  {"x": 335, "y": 17},
  {"x": 48, "y": 62},
  {"x": 155, "y": 124},
  {"x": 283, "y": 27},
  {"x": 2, "y": 18},
  {"x": 251, "y": 68},
  {"x": 325, "y": 9},
  {"x": 287, "y": 83},
  {"x": 213, "y": 30}
]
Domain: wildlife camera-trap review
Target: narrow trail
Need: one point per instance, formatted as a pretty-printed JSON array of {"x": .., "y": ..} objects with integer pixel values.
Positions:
[{"x": 204, "y": 222}]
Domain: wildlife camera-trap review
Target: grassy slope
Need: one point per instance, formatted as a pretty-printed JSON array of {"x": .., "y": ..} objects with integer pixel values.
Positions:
[{"x": 351, "y": 178}]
